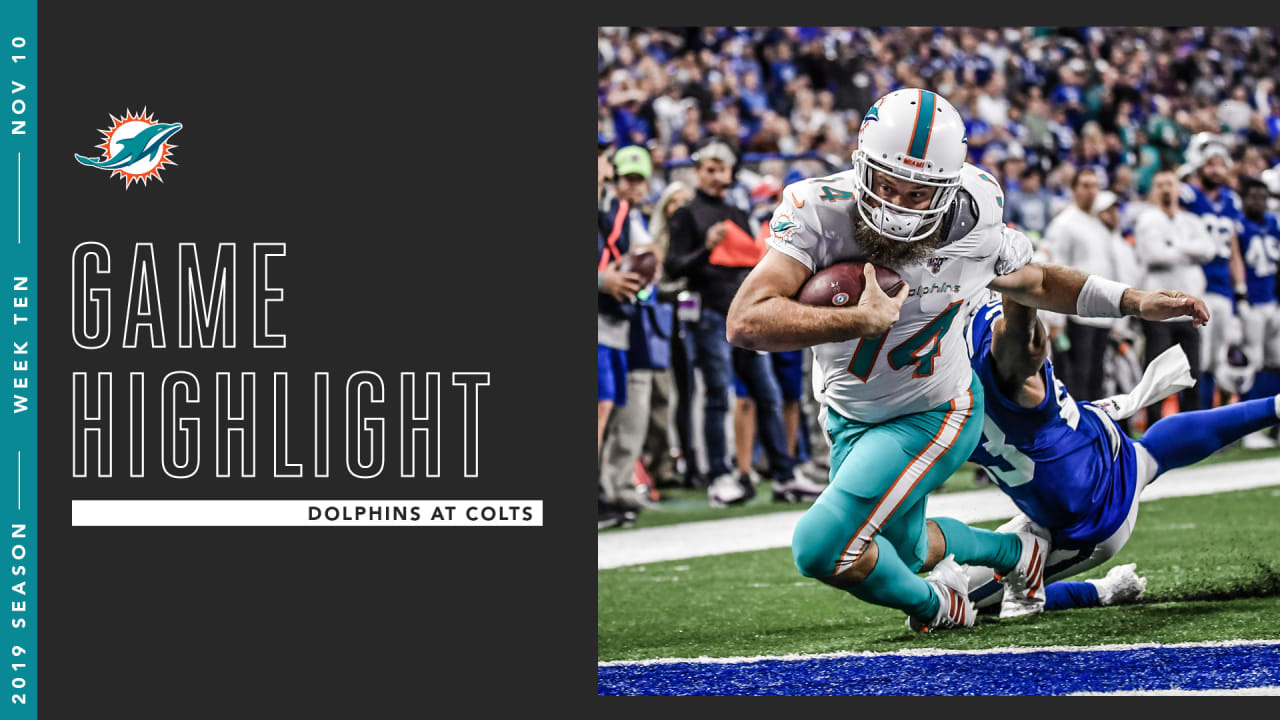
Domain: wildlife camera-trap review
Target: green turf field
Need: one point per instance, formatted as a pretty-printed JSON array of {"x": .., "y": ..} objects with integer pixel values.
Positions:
[
  {"x": 680, "y": 505},
  {"x": 1212, "y": 565}
]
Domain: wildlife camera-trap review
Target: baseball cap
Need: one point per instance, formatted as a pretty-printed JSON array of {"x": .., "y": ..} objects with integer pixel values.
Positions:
[
  {"x": 715, "y": 150},
  {"x": 767, "y": 187},
  {"x": 633, "y": 160},
  {"x": 1104, "y": 200}
]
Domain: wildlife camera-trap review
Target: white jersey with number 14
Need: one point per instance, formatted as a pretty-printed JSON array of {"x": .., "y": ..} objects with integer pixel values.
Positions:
[{"x": 921, "y": 362}]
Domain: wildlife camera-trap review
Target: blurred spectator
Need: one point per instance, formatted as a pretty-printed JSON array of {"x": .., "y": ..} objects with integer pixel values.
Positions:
[
  {"x": 632, "y": 169},
  {"x": 1077, "y": 238},
  {"x": 1172, "y": 244},
  {"x": 648, "y": 351},
  {"x": 648, "y": 357},
  {"x": 1124, "y": 256},
  {"x": 613, "y": 310},
  {"x": 697, "y": 229},
  {"x": 1029, "y": 206},
  {"x": 1146, "y": 89},
  {"x": 673, "y": 388}
]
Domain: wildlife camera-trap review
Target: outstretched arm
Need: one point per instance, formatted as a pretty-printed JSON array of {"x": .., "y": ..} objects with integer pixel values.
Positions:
[
  {"x": 1062, "y": 289},
  {"x": 763, "y": 315},
  {"x": 1019, "y": 347}
]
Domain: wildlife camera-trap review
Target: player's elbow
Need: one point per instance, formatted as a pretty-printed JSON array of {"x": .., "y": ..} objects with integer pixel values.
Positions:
[{"x": 741, "y": 331}]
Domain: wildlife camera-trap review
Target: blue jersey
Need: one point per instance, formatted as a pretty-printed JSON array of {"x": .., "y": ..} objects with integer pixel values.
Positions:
[
  {"x": 1222, "y": 219},
  {"x": 1064, "y": 463},
  {"x": 1260, "y": 246}
]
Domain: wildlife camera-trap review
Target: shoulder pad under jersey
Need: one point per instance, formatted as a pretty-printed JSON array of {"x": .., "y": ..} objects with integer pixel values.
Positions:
[{"x": 964, "y": 217}]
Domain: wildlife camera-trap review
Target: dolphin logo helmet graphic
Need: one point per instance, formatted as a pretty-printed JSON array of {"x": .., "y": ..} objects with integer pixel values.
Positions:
[{"x": 135, "y": 148}]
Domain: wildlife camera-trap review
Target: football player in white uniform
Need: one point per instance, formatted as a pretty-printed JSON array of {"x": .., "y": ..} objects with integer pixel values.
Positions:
[{"x": 893, "y": 371}]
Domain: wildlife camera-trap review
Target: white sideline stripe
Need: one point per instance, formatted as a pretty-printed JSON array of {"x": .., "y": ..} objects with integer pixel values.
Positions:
[
  {"x": 773, "y": 530},
  {"x": 924, "y": 652},
  {"x": 1267, "y": 690}
]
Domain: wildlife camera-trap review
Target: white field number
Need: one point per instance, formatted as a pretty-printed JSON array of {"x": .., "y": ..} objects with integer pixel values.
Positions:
[{"x": 1024, "y": 468}]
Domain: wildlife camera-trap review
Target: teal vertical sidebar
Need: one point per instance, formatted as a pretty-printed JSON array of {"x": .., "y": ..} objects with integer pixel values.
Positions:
[{"x": 18, "y": 467}]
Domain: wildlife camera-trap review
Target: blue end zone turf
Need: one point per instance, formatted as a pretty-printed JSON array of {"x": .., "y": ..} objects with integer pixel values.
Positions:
[{"x": 994, "y": 673}]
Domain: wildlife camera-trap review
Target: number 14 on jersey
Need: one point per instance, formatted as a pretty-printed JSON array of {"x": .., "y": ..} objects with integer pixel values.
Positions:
[{"x": 919, "y": 350}]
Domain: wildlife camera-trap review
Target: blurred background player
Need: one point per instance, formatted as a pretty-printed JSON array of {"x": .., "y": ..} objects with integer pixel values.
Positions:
[
  {"x": 1173, "y": 245},
  {"x": 1260, "y": 318},
  {"x": 1205, "y": 192}
]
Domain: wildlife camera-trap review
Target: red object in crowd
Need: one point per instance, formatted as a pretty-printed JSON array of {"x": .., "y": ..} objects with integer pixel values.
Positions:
[{"x": 738, "y": 249}]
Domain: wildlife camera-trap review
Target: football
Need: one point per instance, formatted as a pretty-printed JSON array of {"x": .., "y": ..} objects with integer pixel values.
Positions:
[
  {"x": 644, "y": 264},
  {"x": 842, "y": 284}
]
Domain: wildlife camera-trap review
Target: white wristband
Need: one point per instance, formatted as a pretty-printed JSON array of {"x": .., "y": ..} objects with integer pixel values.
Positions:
[{"x": 1100, "y": 297}]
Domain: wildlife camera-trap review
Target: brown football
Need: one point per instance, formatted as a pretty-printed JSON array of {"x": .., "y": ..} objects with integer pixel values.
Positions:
[
  {"x": 841, "y": 284},
  {"x": 645, "y": 264}
]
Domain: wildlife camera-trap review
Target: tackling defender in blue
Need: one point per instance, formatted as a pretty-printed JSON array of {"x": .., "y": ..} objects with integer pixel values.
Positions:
[{"x": 1066, "y": 464}]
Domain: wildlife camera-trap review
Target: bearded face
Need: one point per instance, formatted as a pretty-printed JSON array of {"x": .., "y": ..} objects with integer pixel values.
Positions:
[{"x": 893, "y": 253}]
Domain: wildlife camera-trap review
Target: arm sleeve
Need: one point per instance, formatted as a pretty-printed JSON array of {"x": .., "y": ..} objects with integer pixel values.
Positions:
[{"x": 686, "y": 251}]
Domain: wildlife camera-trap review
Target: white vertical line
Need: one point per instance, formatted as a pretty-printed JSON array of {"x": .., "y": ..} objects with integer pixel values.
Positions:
[
  {"x": 19, "y": 198},
  {"x": 19, "y": 479}
]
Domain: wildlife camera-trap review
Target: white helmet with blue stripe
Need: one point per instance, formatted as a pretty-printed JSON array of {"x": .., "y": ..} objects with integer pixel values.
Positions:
[{"x": 913, "y": 135}]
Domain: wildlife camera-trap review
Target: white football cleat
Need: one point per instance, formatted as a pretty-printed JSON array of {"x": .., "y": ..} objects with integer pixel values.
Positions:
[
  {"x": 730, "y": 489},
  {"x": 955, "y": 609},
  {"x": 797, "y": 489},
  {"x": 1259, "y": 440},
  {"x": 1122, "y": 584},
  {"x": 1024, "y": 585}
]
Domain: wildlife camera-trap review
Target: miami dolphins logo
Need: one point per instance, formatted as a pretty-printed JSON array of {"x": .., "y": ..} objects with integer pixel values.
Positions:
[
  {"x": 135, "y": 148},
  {"x": 872, "y": 114},
  {"x": 784, "y": 227}
]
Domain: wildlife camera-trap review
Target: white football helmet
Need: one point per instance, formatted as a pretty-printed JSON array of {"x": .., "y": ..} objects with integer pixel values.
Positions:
[
  {"x": 1235, "y": 372},
  {"x": 1201, "y": 147},
  {"x": 913, "y": 135}
]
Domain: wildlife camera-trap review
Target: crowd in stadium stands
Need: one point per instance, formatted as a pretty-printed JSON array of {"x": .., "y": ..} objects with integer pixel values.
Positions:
[{"x": 1127, "y": 152}]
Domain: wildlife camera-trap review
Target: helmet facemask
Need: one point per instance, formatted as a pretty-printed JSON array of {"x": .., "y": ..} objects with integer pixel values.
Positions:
[{"x": 895, "y": 221}]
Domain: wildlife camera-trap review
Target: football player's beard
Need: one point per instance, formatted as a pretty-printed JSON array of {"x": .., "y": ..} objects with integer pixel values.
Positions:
[{"x": 891, "y": 253}]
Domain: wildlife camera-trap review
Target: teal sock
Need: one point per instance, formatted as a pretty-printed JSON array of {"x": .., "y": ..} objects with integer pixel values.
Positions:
[
  {"x": 975, "y": 546},
  {"x": 892, "y": 584}
]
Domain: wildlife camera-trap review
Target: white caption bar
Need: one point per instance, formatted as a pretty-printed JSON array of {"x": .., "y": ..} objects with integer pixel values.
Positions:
[{"x": 308, "y": 513}]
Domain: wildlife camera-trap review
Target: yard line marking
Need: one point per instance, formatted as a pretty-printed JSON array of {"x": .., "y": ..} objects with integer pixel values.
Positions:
[{"x": 925, "y": 652}]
